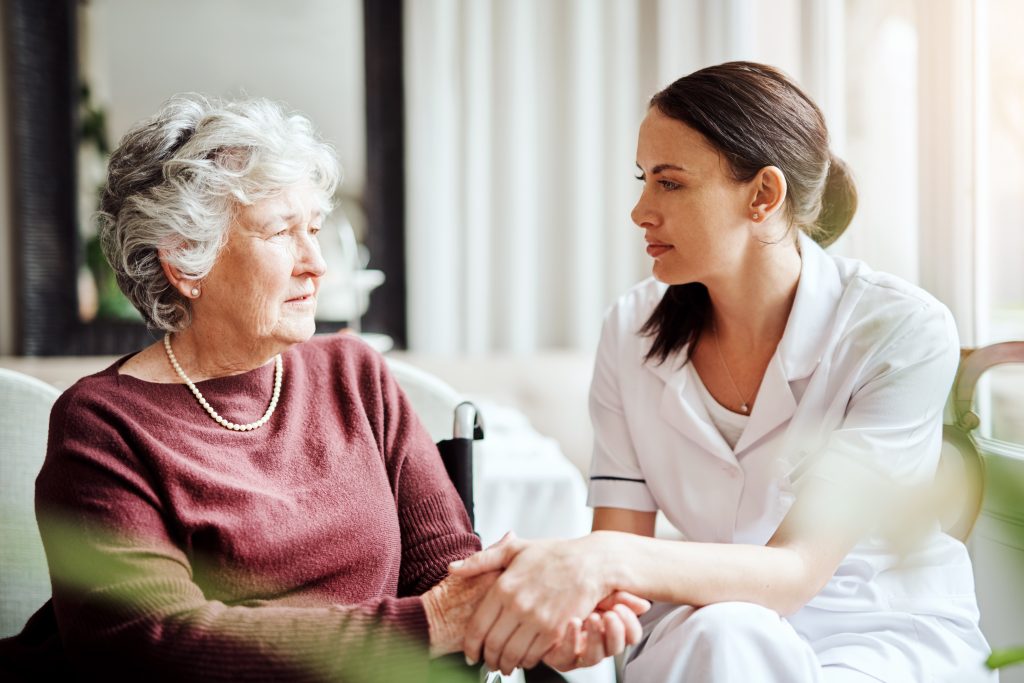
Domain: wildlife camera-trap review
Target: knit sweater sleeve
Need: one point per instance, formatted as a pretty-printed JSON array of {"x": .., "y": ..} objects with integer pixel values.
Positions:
[
  {"x": 435, "y": 526},
  {"x": 127, "y": 605}
]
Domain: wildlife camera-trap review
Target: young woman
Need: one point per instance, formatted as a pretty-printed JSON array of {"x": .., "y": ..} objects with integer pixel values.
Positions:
[{"x": 780, "y": 405}]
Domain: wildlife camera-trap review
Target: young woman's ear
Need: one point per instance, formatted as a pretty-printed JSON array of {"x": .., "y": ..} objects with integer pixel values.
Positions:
[
  {"x": 769, "y": 193},
  {"x": 189, "y": 288}
]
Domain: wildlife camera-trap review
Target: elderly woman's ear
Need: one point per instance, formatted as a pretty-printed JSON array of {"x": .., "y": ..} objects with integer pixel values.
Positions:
[{"x": 188, "y": 287}]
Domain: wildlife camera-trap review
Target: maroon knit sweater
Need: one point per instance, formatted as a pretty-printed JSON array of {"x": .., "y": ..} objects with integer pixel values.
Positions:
[{"x": 181, "y": 550}]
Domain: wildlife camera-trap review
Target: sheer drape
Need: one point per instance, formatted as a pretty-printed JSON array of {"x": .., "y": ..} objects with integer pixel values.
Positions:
[{"x": 522, "y": 122}]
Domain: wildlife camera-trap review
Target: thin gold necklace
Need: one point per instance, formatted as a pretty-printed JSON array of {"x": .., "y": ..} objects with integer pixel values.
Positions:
[
  {"x": 227, "y": 424},
  {"x": 745, "y": 404}
]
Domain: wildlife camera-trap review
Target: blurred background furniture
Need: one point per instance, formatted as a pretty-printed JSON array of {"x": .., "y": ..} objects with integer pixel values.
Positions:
[
  {"x": 25, "y": 404},
  {"x": 997, "y": 543}
]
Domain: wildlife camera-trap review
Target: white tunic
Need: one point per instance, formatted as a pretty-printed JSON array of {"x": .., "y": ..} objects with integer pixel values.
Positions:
[
  {"x": 855, "y": 391},
  {"x": 729, "y": 424}
]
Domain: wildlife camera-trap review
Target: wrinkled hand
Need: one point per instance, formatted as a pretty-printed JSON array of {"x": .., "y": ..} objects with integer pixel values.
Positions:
[
  {"x": 451, "y": 603},
  {"x": 544, "y": 586},
  {"x": 449, "y": 606},
  {"x": 605, "y": 633}
]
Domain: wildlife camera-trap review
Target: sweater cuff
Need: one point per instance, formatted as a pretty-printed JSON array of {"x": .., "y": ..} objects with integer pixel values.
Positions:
[{"x": 408, "y": 616}]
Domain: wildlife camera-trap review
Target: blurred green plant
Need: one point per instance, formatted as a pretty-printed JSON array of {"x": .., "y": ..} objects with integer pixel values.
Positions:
[
  {"x": 92, "y": 137},
  {"x": 112, "y": 303},
  {"x": 1005, "y": 657},
  {"x": 117, "y": 575},
  {"x": 93, "y": 122},
  {"x": 1004, "y": 491}
]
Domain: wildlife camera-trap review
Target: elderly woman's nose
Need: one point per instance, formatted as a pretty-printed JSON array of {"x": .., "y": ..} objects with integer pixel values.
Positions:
[{"x": 308, "y": 258}]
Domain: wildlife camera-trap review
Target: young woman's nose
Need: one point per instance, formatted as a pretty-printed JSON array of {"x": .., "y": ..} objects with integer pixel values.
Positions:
[{"x": 641, "y": 214}]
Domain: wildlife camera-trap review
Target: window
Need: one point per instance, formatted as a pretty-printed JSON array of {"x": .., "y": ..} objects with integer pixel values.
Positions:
[{"x": 1000, "y": 179}]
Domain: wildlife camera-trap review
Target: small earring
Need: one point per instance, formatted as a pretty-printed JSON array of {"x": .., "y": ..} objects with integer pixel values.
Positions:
[
  {"x": 755, "y": 218},
  {"x": 195, "y": 291}
]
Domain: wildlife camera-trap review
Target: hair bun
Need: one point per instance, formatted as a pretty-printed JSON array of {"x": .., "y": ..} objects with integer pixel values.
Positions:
[{"x": 838, "y": 202}]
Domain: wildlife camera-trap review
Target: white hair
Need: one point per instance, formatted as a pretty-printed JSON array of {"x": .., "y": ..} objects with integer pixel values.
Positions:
[{"x": 176, "y": 180}]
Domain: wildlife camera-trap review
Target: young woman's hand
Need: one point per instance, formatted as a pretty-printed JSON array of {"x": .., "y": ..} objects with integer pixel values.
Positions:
[
  {"x": 451, "y": 603},
  {"x": 449, "y": 606},
  {"x": 544, "y": 585}
]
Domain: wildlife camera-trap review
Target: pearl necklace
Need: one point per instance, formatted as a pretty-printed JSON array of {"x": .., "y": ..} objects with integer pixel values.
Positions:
[{"x": 278, "y": 375}]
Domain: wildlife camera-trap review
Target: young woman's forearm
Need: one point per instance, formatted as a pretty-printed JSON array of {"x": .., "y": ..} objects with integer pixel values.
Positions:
[{"x": 699, "y": 574}]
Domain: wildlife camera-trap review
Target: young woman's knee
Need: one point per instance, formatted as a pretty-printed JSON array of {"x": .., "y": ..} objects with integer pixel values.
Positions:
[{"x": 732, "y": 619}]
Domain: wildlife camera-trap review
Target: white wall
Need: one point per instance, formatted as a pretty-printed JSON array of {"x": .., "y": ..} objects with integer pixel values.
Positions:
[{"x": 307, "y": 53}]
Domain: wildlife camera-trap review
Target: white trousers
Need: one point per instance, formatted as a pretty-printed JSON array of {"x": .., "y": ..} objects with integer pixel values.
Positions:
[{"x": 744, "y": 642}]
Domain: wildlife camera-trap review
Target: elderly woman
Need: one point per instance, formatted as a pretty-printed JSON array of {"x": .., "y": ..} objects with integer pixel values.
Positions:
[{"x": 238, "y": 501}]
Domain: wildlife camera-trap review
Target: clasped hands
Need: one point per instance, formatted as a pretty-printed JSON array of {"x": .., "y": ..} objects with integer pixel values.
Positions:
[{"x": 521, "y": 602}]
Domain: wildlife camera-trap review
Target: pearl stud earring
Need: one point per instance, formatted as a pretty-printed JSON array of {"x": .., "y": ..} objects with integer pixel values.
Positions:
[
  {"x": 195, "y": 291},
  {"x": 755, "y": 218}
]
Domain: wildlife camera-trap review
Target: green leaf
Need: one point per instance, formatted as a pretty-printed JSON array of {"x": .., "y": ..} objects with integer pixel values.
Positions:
[{"x": 1005, "y": 657}]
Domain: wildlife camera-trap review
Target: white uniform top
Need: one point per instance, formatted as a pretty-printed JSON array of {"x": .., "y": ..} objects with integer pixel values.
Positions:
[
  {"x": 856, "y": 389},
  {"x": 729, "y": 424}
]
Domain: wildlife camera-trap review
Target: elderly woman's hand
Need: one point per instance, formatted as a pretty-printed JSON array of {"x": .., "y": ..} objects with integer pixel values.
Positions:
[
  {"x": 605, "y": 633},
  {"x": 449, "y": 606},
  {"x": 544, "y": 586}
]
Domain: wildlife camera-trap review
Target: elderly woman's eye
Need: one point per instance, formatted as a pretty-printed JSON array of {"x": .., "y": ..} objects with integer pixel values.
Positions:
[{"x": 314, "y": 230}]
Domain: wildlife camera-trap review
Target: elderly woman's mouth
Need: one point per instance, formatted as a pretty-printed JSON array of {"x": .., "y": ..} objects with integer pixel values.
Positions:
[{"x": 304, "y": 299}]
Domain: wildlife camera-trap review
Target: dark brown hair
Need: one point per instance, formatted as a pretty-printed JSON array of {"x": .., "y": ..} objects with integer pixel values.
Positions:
[{"x": 756, "y": 117}]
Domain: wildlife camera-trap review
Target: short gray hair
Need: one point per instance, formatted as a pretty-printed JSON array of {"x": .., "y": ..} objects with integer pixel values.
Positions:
[{"x": 176, "y": 180}]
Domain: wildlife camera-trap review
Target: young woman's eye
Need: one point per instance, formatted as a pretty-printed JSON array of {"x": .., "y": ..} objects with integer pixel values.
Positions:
[{"x": 669, "y": 185}]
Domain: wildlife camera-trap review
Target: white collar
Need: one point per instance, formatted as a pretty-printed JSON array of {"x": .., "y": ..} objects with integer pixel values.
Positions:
[
  {"x": 810, "y": 320},
  {"x": 800, "y": 350}
]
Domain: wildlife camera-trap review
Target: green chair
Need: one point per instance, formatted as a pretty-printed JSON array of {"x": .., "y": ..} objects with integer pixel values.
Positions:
[{"x": 997, "y": 542}]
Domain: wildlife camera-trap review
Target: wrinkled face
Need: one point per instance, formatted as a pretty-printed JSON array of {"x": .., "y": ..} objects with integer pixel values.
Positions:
[
  {"x": 694, "y": 214},
  {"x": 265, "y": 281}
]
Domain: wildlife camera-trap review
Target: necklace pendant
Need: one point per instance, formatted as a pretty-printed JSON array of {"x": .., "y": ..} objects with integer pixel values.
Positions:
[{"x": 745, "y": 408}]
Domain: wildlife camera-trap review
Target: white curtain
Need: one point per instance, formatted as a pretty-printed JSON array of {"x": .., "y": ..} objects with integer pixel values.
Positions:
[{"x": 522, "y": 118}]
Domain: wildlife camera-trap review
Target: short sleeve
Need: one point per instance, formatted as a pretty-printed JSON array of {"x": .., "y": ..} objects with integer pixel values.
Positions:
[
  {"x": 892, "y": 431},
  {"x": 616, "y": 479}
]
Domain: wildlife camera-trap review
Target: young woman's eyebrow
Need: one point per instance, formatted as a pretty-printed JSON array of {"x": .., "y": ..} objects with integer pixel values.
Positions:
[{"x": 661, "y": 168}]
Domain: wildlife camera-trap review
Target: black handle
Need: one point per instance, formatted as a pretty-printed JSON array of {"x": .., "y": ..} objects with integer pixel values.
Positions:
[{"x": 457, "y": 456}]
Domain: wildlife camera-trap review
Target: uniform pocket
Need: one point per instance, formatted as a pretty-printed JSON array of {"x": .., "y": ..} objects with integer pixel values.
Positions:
[{"x": 942, "y": 591}]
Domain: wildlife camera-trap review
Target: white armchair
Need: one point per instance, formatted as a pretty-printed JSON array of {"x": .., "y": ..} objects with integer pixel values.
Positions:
[{"x": 25, "y": 404}]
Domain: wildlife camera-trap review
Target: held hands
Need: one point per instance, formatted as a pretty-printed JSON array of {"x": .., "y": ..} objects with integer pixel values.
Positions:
[
  {"x": 550, "y": 602},
  {"x": 449, "y": 605},
  {"x": 605, "y": 633}
]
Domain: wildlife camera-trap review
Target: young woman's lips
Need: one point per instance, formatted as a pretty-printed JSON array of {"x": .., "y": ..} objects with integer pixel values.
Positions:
[{"x": 656, "y": 250}]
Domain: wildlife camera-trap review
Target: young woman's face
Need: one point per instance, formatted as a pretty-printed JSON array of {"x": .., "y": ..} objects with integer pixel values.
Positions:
[
  {"x": 694, "y": 214},
  {"x": 266, "y": 279}
]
